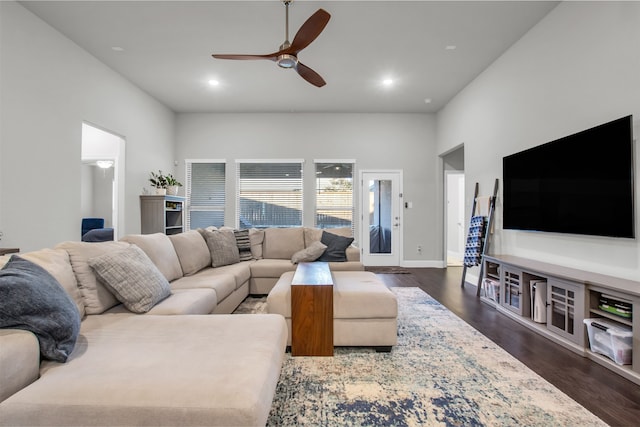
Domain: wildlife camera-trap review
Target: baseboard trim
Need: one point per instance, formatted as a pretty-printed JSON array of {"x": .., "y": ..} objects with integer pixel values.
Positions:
[{"x": 422, "y": 264}]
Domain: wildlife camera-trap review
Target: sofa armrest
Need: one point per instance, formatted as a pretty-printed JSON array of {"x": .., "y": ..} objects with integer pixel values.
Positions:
[
  {"x": 353, "y": 253},
  {"x": 19, "y": 361}
]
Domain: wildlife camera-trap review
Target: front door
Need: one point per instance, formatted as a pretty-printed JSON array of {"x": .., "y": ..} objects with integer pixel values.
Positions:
[{"x": 381, "y": 217}]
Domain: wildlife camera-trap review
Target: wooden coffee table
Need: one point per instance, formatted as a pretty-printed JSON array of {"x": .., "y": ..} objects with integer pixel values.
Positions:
[{"x": 312, "y": 310}]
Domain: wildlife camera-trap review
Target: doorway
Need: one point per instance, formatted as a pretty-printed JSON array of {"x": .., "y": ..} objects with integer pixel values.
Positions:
[
  {"x": 102, "y": 183},
  {"x": 381, "y": 225},
  {"x": 454, "y": 206},
  {"x": 454, "y": 214}
]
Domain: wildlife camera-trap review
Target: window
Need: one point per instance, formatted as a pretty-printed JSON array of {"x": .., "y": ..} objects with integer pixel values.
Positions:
[
  {"x": 334, "y": 194},
  {"x": 269, "y": 193},
  {"x": 205, "y": 193}
]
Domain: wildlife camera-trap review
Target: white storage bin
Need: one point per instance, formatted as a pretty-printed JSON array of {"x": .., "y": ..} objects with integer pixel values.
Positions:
[
  {"x": 491, "y": 289},
  {"x": 610, "y": 339}
]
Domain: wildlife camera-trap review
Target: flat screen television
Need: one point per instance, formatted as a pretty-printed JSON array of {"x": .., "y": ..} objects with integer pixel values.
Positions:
[{"x": 579, "y": 184}]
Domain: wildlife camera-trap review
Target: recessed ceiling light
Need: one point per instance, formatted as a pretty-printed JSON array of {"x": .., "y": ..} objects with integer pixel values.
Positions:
[
  {"x": 387, "y": 82},
  {"x": 117, "y": 48},
  {"x": 213, "y": 82},
  {"x": 451, "y": 47},
  {"x": 427, "y": 101}
]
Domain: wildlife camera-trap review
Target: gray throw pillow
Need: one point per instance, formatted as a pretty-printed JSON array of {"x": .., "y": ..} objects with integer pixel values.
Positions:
[
  {"x": 336, "y": 247},
  {"x": 222, "y": 246},
  {"x": 310, "y": 253},
  {"x": 132, "y": 277},
  {"x": 244, "y": 244},
  {"x": 31, "y": 299}
]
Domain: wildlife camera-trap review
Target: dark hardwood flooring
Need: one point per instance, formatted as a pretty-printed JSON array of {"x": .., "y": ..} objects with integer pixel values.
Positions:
[{"x": 608, "y": 395}]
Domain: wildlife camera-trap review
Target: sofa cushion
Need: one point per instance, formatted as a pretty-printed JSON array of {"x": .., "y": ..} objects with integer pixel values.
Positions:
[
  {"x": 181, "y": 301},
  {"x": 222, "y": 247},
  {"x": 271, "y": 267},
  {"x": 336, "y": 247},
  {"x": 159, "y": 248},
  {"x": 244, "y": 244},
  {"x": 241, "y": 271},
  {"x": 19, "y": 361},
  {"x": 310, "y": 253},
  {"x": 256, "y": 237},
  {"x": 160, "y": 370},
  {"x": 210, "y": 278},
  {"x": 133, "y": 278},
  {"x": 56, "y": 262},
  {"x": 32, "y": 299},
  {"x": 96, "y": 296},
  {"x": 282, "y": 243},
  {"x": 192, "y": 251}
]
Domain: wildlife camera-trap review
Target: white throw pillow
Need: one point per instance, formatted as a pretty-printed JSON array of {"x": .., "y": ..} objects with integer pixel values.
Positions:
[{"x": 310, "y": 253}]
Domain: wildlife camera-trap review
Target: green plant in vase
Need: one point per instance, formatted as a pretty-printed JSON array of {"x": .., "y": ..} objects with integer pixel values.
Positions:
[
  {"x": 172, "y": 185},
  {"x": 159, "y": 182}
]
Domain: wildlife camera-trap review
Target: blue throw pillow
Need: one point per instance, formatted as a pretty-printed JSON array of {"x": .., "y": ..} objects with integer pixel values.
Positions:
[
  {"x": 336, "y": 247},
  {"x": 32, "y": 299}
]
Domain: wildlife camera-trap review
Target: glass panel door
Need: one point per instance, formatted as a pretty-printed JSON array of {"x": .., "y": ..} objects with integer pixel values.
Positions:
[{"x": 381, "y": 222}]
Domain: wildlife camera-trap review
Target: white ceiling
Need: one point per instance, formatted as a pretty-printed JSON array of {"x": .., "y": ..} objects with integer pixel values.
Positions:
[{"x": 168, "y": 46}]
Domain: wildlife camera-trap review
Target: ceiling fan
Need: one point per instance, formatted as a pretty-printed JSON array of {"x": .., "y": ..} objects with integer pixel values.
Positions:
[{"x": 287, "y": 56}]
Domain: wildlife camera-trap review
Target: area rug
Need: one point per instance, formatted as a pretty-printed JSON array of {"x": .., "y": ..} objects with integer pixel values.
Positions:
[{"x": 442, "y": 373}]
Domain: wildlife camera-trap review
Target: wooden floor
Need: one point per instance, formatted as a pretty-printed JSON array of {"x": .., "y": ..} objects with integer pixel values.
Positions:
[{"x": 611, "y": 397}]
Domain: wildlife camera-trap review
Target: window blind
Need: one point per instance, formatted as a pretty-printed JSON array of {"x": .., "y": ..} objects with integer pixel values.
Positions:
[
  {"x": 269, "y": 194},
  {"x": 205, "y": 191}
]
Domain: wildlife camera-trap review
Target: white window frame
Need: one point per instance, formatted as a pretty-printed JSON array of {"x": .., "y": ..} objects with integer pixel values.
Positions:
[
  {"x": 352, "y": 162},
  {"x": 188, "y": 189}
]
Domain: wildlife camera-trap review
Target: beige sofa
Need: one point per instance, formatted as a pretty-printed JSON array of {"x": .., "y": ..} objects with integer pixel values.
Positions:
[{"x": 174, "y": 365}]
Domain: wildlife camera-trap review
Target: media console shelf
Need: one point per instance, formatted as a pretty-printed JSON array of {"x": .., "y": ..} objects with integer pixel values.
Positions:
[{"x": 565, "y": 297}]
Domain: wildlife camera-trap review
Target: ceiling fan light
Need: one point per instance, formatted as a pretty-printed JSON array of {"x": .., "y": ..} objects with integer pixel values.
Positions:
[
  {"x": 287, "y": 61},
  {"x": 104, "y": 164}
]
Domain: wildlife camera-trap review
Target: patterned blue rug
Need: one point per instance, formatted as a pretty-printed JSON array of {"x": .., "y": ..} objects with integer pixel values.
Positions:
[{"x": 442, "y": 373}]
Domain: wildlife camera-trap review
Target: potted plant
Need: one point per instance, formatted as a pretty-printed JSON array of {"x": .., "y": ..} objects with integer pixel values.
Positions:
[
  {"x": 172, "y": 185},
  {"x": 159, "y": 182}
]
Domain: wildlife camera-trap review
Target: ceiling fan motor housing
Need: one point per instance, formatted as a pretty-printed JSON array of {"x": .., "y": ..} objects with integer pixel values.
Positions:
[{"x": 287, "y": 61}]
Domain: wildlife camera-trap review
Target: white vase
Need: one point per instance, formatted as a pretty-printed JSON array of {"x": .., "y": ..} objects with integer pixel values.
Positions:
[
  {"x": 172, "y": 190},
  {"x": 161, "y": 191}
]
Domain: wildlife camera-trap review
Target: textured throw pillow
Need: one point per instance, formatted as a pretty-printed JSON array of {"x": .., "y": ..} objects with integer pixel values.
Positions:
[
  {"x": 222, "y": 247},
  {"x": 310, "y": 253},
  {"x": 31, "y": 299},
  {"x": 244, "y": 244},
  {"x": 134, "y": 279},
  {"x": 336, "y": 247}
]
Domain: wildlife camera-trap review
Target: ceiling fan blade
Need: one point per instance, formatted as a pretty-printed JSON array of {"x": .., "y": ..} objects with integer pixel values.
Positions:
[
  {"x": 309, "y": 75},
  {"x": 309, "y": 31},
  {"x": 270, "y": 56}
]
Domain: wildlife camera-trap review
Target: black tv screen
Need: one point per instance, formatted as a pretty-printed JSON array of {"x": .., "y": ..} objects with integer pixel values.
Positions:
[{"x": 579, "y": 184}]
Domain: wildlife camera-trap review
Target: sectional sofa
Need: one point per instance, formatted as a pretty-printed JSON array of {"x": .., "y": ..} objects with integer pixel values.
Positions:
[{"x": 150, "y": 352}]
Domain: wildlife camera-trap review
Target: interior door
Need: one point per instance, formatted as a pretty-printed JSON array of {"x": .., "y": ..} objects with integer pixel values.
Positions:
[{"x": 381, "y": 217}]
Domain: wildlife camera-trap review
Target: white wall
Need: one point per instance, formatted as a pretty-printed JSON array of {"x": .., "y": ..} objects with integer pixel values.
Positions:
[
  {"x": 579, "y": 67},
  {"x": 375, "y": 141},
  {"x": 49, "y": 86}
]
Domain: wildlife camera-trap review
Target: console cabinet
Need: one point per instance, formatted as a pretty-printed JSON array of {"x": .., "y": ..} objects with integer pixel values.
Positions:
[
  {"x": 162, "y": 214},
  {"x": 554, "y": 301}
]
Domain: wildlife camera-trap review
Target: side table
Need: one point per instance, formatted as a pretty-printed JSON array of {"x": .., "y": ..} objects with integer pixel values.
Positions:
[
  {"x": 5, "y": 251},
  {"x": 312, "y": 310}
]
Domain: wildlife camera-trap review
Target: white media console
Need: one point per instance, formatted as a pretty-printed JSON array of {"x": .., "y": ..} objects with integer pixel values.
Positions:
[{"x": 569, "y": 296}]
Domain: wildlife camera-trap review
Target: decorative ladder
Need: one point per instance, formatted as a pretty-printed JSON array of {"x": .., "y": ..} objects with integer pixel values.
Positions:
[{"x": 478, "y": 236}]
